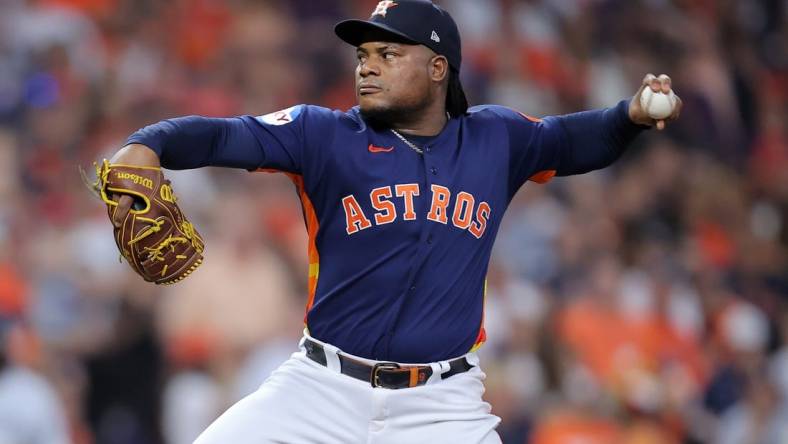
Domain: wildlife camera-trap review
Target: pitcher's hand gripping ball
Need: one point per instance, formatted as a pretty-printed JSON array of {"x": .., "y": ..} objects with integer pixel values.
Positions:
[
  {"x": 155, "y": 237},
  {"x": 658, "y": 105}
]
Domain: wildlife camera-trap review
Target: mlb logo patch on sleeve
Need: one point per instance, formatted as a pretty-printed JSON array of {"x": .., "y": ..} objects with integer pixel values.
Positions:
[{"x": 282, "y": 117}]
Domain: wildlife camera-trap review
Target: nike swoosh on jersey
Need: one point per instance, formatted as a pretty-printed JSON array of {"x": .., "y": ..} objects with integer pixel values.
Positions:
[{"x": 379, "y": 149}]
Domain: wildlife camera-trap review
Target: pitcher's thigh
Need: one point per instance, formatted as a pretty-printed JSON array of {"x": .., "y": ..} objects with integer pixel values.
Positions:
[
  {"x": 437, "y": 430},
  {"x": 449, "y": 412},
  {"x": 298, "y": 403}
]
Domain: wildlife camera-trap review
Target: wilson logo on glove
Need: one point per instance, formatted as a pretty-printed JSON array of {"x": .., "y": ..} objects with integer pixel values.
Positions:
[
  {"x": 138, "y": 180},
  {"x": 155, "y": 237}
]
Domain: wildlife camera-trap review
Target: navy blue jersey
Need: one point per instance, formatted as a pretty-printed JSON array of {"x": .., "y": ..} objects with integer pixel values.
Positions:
[{"x": 399, "y": 241}]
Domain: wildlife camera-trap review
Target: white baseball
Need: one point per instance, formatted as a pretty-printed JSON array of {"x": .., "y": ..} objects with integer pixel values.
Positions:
[{"x": 657, "y": 105}]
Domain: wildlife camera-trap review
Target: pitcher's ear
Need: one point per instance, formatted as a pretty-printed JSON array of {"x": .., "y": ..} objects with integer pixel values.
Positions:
[{"x": 439, "y": 68}]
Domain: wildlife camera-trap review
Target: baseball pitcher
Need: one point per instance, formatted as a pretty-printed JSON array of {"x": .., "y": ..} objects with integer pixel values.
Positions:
[{"x": 402, "y": 198}]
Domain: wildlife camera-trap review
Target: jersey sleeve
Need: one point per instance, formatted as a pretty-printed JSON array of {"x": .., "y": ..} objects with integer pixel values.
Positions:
[
  {"x": 284, "y": 140},
  {"x": 294, "y": 140},
  {"x": 540, "y": 149}
]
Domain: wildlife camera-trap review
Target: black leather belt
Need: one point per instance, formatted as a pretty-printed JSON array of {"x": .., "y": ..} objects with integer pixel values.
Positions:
[{"x": 388, "y": 375}]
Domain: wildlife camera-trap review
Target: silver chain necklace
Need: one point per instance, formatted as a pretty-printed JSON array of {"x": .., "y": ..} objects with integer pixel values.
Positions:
[{"x": 407, "y": 142}]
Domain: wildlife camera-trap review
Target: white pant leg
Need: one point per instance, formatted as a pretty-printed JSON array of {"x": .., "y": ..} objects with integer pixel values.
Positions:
[
  {"x": 449, "y": 411},
  {"x": 301, "y": 402}
]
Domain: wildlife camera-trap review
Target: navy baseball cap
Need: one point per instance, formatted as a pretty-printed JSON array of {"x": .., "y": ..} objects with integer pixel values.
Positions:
[{"x": 414, "y": 21}]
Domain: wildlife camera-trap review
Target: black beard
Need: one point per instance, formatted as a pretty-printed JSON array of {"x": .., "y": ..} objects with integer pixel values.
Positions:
[
  {"x": 387, "y": 118},
  {"x": 394, "y": 115}
]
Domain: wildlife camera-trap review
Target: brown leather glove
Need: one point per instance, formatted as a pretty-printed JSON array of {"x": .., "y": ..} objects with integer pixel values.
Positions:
[{"x": 155, "y": 237}]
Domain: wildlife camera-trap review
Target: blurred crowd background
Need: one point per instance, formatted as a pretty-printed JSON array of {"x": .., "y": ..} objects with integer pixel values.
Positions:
[{"x": 645, "y": 303}]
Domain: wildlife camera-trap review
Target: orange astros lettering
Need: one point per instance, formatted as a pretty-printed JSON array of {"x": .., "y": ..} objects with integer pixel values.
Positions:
[
  {"x": 387, "y": 211},
  {"x": 463, "y": 210},
  {"x": 407, "y": 190},
  {"x": 355, "y": 220},
  {"x": 482, "y": 214},
  {"x": 440, "y": 200},
  {"x": 465, "y": 215}
]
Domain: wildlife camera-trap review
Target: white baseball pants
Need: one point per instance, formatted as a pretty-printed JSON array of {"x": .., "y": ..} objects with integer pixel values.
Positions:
[{"x": 305, "y": 402}]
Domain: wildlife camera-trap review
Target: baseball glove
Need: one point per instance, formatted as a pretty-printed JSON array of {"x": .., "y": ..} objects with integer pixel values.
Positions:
[{"x": 155, "y": 237}]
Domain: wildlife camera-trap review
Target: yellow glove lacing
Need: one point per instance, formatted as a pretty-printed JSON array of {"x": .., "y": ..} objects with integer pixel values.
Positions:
[
  {"x": 154, "y": 253},
  {"x": 102, "y": 175}
]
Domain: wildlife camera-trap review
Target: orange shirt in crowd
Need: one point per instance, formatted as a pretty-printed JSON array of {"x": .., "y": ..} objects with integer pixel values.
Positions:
[
  {"x": 93, "y": 8},
  {"x": 569, "y": 427},
  {"x": 13, "y": 291},
  {"x": 611, "y": 344}
]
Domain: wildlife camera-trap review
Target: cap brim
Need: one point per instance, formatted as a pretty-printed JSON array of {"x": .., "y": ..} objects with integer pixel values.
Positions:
[{"x": 356, "y": 32}]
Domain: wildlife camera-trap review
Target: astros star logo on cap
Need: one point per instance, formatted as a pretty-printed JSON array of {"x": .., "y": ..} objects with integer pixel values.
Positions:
[{"x": 383, "y": 7}]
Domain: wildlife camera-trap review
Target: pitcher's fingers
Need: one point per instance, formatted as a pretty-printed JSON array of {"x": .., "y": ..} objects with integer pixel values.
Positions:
[
  {"x": 677, "y": 109},
  {"x": 639, "y": 92},
  {"x": 655, "y": 84},
  {"x": 645, "y": 83},
  {"x": 664, "y": 79},
  {"x": 122, "y": 210},
  {"x": 651, "y": 81},
  {"x": 660, "y": 124}
]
